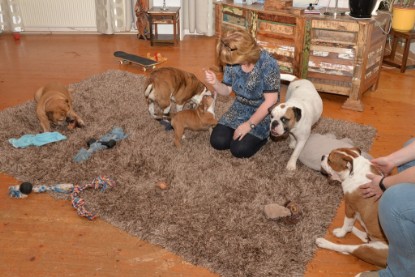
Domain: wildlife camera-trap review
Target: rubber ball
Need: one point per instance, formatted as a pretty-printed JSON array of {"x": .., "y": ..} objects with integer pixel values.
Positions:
[{"x": 25, "y": 187}]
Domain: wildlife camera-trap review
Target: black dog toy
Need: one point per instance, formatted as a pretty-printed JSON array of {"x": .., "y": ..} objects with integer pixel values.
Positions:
[
  {"x": 26, "y": 188},
  {"x": 109, "y": 144}
]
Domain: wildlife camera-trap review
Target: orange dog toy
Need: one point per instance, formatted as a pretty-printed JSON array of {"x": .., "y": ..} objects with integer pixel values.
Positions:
[{"x": 156, "y": 57}]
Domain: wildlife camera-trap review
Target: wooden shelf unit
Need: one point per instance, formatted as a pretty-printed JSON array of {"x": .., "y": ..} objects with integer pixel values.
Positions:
[{"x": 340, "y": 55}]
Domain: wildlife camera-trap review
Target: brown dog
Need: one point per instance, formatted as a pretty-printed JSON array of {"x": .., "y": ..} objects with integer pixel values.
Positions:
[
  {"x": 200, "y": 119},
  {"x": 169, "y": 85},
  {"x": 54, "y": 104}
]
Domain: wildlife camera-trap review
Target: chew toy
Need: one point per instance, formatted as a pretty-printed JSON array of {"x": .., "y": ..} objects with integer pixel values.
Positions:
[
  {"x": 36, "y": 140},
  {"x": 25, "y": 188},
  {"x": 290, "y": 213},
  {"x": 101, "y": 182},
  {"x": 107, "y": 141}
]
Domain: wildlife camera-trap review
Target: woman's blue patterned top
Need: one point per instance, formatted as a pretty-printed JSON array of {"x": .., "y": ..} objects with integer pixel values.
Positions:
[{"x": 249, "y": 89}]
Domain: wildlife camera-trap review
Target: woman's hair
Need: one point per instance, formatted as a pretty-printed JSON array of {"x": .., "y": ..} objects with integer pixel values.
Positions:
[{"x": 238, "y": 47}]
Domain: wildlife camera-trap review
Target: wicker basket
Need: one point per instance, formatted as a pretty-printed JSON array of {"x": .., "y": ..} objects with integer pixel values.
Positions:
[{"x": 277, "y": 4}]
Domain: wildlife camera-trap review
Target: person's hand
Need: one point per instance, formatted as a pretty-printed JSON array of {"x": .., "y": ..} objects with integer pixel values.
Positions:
[
  {"x": 241, "y": 131},
  {"x": 372, "y": 188},
  {"x": 210, "y": 77},
  {"x": 383, "y": 164}
]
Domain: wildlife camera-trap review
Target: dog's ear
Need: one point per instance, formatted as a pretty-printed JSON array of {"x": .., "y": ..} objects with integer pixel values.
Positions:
[
  {"x": 357, "y": 150},
  {"x": 349, "y": 163},
  {"x": 297, "y": 113}
]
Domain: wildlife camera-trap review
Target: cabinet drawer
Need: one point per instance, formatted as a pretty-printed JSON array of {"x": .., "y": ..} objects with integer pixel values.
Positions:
[
  {"x": 342, "y": 26},
  {"x": 331, "y": 60},
  {"x": 276, "y": 34},
  {"x": 332, "y": 55},
  {"x": 235, "y": 17}
]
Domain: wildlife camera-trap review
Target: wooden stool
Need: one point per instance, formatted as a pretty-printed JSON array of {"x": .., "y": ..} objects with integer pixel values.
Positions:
[{"x": 389, "y": 59}]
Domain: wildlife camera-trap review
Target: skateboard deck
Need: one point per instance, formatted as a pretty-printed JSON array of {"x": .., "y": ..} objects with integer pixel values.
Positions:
[{"x": 131, "y": 58}]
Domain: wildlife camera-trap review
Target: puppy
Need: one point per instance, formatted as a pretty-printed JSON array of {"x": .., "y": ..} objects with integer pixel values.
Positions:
[
  {"x": 169, "y": 85},
  {"x": 302, "y": 109},
  {"x": 199, "y": 119},
  {"x": 54, "y": 104},
  {"x": 348, "y": 166}
]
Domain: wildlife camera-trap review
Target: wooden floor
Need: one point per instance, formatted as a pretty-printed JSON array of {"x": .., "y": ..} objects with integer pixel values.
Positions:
[{"x": 41, "y": 236}]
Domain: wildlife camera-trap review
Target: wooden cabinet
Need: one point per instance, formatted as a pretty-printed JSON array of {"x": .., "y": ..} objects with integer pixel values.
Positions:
[
  {"x": 340, "y": 56},
  {"x": 344, "y": 56}
]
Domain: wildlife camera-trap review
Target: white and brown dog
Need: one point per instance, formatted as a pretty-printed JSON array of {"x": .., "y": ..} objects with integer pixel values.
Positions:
[
  {"x": 301, "y": 110},
  {"x": 168, "y": 85},
  {"x": 348, "y": 166},
  {"x": 200, "y": 119}
]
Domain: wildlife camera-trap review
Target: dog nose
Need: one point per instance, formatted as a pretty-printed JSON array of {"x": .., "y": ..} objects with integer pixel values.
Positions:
[
  {"x": 274, "y": 124},
  {"x": 322, "y": 157}
]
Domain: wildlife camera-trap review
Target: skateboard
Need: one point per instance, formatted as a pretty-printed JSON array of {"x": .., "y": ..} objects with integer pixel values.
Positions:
[{"x": 127, "y": 58}]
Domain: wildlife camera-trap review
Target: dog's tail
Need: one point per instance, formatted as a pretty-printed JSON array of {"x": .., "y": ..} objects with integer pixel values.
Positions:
[{"x": 287, "y": 77}]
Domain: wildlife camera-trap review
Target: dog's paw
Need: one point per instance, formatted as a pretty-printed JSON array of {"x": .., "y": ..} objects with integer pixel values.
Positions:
[
  {"x": 339, "y": 232},
  {"x": 321, "y": 242},
  {"x": 291, "y": 166},
  {"x": 72, "y": 125},
  {"x": 80, "y": 123}
]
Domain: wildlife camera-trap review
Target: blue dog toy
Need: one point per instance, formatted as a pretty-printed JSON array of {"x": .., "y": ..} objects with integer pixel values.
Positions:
[
  {"x": 36, "y": 140},
  {"x": 107, "y": 141},
  {"x": 166, "y": 124},
  {"x": 25, "y": 188}
]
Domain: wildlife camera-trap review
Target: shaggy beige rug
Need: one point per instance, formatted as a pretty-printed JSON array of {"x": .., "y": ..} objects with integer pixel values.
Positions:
[{"x": 212, "y": 215}]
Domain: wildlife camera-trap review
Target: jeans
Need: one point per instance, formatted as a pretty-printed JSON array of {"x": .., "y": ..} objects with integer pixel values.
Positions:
[{"x": 397, "y": 218}]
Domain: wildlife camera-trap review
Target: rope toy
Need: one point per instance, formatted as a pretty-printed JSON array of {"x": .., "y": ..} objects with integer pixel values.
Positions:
[
  {"x": 102, "y": 182},
  {"x": 23, "y": 190},
  {"x": 106, "y": 141}
]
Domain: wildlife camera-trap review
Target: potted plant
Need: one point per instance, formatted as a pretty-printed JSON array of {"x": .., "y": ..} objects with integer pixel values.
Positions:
[{"x": 403, "y": 14}]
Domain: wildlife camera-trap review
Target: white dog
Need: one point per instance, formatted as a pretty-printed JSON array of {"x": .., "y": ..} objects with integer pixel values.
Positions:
[{"x": 302, "y": 109}]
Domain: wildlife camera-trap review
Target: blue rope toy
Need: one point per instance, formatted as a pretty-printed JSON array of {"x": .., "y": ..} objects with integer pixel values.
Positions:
[
  {"x": 107, "y": 141},
  {"x": 22, "y": 190}
]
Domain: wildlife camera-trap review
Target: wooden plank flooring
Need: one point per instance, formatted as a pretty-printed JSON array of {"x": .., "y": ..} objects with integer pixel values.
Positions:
[{"x": 41, "y": 236}]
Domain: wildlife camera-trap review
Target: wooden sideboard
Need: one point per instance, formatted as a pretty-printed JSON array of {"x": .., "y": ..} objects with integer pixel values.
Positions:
[{"x": 340, "y": 55}]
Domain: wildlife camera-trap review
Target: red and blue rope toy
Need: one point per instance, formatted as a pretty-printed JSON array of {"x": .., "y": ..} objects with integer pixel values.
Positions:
[{"x": 101, "y": 182}]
